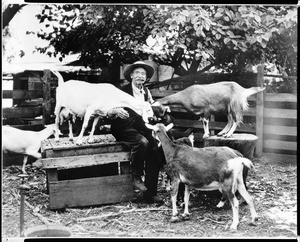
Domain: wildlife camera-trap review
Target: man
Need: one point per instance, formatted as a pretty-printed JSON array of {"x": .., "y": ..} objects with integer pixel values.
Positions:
[{"x": 129, "y": 128}]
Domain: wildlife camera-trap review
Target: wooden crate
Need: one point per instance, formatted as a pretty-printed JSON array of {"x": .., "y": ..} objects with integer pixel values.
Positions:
[{"x": 86, "y": 175}]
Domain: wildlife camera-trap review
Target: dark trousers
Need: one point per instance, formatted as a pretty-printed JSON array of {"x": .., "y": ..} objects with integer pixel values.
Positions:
[{"x": 144, "y": 156}]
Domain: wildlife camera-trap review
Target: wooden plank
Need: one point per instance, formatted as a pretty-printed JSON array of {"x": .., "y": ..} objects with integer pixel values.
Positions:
[
  {"x": 27, "y": 112},
  {"x": 90, "y": 191},
  {"x": 280, "y": 113},
  {"x": 280, "y": 130},
  {"x": 280, "y": 121},
  {"x": 280, "y": 97},
  {"x": 280, "y": 151},
  {"x": 281, "y": 105},
  {"x": 259, "y": 112},
  {"x": 46, "y": 97},
  {"x": 281, "y": 159},
  {"x": 52, "y": 175},
  {"x": 125, "y": 168},
  {"x": 84, "y": 160},
  {"x": 291, "y": 138},
  {"x": 278, "y": 144},
  {"x": 99, "y": 140},
  {"x": 185, "y": 123},
  {"x": 109, "y": 148},
  {"x": 22, "y": 94}
]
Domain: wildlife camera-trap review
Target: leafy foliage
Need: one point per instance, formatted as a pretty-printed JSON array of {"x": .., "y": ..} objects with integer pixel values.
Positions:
[{"x": 202, "y": 37}]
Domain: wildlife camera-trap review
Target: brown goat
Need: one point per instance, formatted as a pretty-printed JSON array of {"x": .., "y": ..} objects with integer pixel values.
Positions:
[
  {"x": 221, "y": 97},
  {"x": 209, "y": 168}
]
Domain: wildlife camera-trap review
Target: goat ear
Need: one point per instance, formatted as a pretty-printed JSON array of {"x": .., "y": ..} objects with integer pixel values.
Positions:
[
  {"x": 168, "y": 110},
  {"x": 155, "y": 104},
  {"x": 169, "y": 126},
  {"x": 150, "y": 126}
]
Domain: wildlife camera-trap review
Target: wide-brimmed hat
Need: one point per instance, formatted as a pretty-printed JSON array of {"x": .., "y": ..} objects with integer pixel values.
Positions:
[{"x": 129, "y": 69}]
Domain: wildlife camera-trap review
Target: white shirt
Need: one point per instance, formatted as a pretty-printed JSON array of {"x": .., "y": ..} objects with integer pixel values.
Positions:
[{"x": 140, "y": 94}]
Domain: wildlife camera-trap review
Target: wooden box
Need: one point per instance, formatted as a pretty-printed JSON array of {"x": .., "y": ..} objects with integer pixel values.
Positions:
[{"x": 86, "y": 175}]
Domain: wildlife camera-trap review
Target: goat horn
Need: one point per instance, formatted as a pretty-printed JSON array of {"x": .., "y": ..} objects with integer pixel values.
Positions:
[
  {"x": 150, "y": 126},
  {"x": 169, "y": 126}
]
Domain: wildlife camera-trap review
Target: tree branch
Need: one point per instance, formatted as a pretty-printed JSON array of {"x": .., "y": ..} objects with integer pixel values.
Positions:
[
  {"x": 10, "y": 12},
  {"x": 122, "y": 212}
]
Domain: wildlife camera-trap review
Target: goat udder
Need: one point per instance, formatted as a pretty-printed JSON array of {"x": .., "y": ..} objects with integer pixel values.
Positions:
[{"x": 210, "y": 187}]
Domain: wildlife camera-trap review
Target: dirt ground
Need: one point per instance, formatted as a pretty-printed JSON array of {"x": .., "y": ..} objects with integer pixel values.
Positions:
[{"x": 272, "y": 186}]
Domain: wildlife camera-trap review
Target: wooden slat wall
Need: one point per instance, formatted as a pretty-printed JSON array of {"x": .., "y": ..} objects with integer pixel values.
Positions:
[{"x": 280, "y": 127}]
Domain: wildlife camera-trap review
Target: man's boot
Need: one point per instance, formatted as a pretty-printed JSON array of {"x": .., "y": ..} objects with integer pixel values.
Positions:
[{"x": 138, "y": 183}]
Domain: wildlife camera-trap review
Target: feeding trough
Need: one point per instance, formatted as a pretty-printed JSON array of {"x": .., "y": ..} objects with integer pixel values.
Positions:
[{"x": 48, "y": 231}]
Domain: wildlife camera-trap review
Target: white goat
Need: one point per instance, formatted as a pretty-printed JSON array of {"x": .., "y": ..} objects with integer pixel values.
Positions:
[
  {"x": 86, "y": 99},
  {"x": 25, "y": 141},
  {"x": 226, "y": 97},
  {"x": 209, "y": 168}
]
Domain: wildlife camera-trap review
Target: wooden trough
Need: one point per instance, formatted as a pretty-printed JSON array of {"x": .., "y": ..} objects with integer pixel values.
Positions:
[{"x": 86, "y": 175}]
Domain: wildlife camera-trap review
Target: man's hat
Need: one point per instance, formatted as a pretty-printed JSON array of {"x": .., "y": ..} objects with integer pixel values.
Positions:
[{"x": 129, "y": 69}]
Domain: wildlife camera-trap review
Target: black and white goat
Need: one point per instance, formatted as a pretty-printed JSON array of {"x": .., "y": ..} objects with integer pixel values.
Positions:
[
  {"x": 88, "y": 99},
  {"x": 222, "y": 97},
  {"x": 25, "y": 141},
  {"x": 209, "y": 168}
]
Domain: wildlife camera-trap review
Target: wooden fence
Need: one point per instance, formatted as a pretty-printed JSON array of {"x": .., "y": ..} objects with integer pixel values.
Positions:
[
  {"x": 272, "y": 117},
  {"x": 280, "y": 127},
  {"x": 33, "y": 100}
]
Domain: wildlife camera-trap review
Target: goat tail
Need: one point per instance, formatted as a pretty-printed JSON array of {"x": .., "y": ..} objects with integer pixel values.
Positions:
[
  {"x": 237, "y": 164},
  {"x": 59, "y": 77},
  {"x": 246, "y": 162},
  {"x": 252, "y": 90}
]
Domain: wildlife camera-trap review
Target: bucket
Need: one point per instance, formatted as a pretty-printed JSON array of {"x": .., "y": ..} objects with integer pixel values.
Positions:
[{"x": 48, "y": 231}]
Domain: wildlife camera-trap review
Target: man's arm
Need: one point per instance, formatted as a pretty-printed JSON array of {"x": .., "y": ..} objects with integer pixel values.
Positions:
[{"x": 117, "y": 112}]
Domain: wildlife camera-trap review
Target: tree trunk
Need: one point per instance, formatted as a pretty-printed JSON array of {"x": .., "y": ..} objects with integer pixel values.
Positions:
[{"x": 244, "y": 143}]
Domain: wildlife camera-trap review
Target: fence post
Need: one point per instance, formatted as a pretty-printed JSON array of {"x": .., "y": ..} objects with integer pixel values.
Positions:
[
  {"x": 259, "y": 112},
  {"x": 46, "y": 97}
]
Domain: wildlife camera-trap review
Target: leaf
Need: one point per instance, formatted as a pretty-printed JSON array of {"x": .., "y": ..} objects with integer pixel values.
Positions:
[
  {"x": 218, "y": 15},
  {"x": 218, "y": 36},
  {"x": 226, "y": 40},
  {"x": 234, "y": 42},
  {"x": 264, "y": 44},
  {"x": 259, "y": 31},
  {"x": 220, "y": 31},
  {"x": 257, "y": 18}
]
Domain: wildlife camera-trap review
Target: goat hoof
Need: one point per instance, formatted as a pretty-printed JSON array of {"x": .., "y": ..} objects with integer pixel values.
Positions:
[
  {"x": 185, "y": 216},
  {"x": 174, "y": 219},
  {"x": 90, "y": 141},
  {"x": 79, "y": 142},
  {"x": 205, "y": 136},
  {"x": 233, "y": 227},
  {"x": 253, "y": 222}
]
